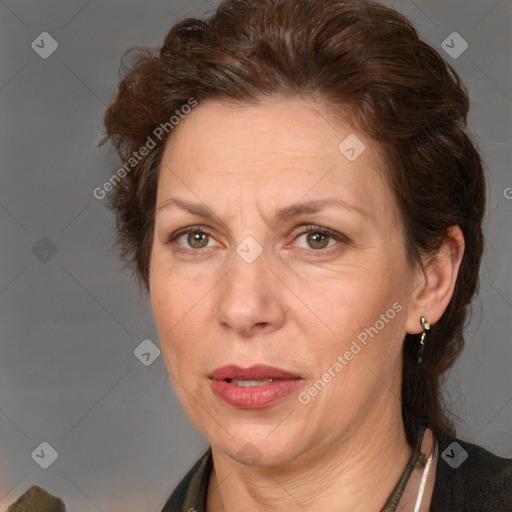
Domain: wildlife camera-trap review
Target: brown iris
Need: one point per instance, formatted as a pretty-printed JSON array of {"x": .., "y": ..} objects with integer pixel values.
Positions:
[
  {"x": 317, "y": 240},
  {"x": 197, "y": 240}
]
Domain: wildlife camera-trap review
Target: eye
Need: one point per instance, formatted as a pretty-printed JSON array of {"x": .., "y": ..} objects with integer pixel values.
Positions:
[
  {"x": 313, "y": 238},
  {"x": 196, "y": 240},
  {"x": 317, "y": 238},
  {"x": 191, "y": 238}
]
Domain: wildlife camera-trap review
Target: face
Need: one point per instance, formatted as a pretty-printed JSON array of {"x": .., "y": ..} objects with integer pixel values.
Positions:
[{"x": 277, "y": 251}]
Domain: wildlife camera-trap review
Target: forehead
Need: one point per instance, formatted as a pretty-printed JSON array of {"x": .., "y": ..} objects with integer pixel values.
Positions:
[
  {"x": 289, "y": 127},
  {"x": 281, "y": 147}
]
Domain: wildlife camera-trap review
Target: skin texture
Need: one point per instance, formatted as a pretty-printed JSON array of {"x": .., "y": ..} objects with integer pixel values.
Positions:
[{"x": 298, "y": 306}]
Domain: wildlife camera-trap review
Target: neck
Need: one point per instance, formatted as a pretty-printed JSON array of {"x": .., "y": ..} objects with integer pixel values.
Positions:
[{"x": 357, "y": 475}]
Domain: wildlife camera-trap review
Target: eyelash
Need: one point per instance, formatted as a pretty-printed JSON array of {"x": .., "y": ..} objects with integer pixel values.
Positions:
[{"x": 339, "y": 237}]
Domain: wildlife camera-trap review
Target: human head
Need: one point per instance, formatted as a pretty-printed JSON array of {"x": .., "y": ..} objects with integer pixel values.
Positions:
[{"x": 366, "y": 64}]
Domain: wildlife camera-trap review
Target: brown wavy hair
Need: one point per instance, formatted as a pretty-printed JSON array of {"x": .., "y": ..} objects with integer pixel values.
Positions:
[{"x": 353, "y": 56}]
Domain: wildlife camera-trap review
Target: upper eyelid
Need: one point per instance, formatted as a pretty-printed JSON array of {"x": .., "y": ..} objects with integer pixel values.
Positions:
[
  {"x": 306, "y": 228},
  {"x": 186, "y": 231}
]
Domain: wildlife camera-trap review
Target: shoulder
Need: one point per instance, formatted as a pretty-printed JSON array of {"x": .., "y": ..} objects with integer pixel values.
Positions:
[
  {"x": 190, "y": 493},
  {"x": 470, "y": 478}
]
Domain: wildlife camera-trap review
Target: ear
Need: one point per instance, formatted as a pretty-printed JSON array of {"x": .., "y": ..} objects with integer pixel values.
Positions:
[{"x": 435, "y": 281}]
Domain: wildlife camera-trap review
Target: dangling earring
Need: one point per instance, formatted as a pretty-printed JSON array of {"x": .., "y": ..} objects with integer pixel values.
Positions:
[{"x": 426, "y": 327}]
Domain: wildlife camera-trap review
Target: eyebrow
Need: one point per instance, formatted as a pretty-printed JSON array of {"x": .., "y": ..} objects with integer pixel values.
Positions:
[{"x": 284, "y": 214}]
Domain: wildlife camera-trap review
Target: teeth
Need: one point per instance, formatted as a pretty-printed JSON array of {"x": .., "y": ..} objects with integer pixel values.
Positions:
[{"x": 250, "y": 383}]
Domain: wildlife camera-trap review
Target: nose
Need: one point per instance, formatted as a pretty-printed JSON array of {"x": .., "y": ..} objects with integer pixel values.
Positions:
[{"x": 251, "y": 298}]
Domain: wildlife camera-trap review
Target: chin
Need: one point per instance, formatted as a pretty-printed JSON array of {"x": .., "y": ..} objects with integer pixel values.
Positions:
[{"x": 258, "y": 448}]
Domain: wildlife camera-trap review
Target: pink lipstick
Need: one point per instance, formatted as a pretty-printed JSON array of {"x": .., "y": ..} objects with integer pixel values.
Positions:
[{"x": 252, "y": 388}]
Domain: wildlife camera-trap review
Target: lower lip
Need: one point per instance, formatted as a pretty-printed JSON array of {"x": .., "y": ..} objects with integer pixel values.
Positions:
[{"x": 254, "y": 397}]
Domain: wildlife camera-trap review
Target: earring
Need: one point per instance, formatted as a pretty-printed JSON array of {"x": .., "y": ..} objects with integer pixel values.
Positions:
[{"x": 426, "y": 327}]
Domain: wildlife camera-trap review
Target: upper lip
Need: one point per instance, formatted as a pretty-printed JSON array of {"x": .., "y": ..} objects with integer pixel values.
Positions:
[{"x": 255, "y": 372}]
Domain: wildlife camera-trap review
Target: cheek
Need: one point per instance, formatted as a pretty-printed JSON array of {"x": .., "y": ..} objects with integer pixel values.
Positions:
[
  {"x": 348, "y": 300},
  {"x": 171, "y": 293},
  {"x": 182, "y": 311},
  {"x": 167, "y": 302},
  {"x": 357, "y": 313}
]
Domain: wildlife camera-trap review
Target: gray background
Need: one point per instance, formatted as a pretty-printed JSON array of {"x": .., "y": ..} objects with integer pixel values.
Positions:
[{"x": 70, "y": 321}]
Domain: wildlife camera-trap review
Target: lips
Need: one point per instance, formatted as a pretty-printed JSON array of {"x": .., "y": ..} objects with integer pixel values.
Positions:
[
  {"x": 256, "y": 372},
  {"x": 252, "y": 388}
]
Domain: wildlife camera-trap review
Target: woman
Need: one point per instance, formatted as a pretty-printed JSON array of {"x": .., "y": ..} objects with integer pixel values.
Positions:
[{"x": 300, "y": 199}]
